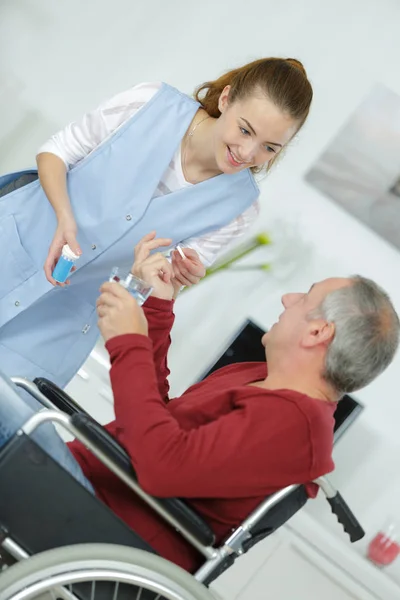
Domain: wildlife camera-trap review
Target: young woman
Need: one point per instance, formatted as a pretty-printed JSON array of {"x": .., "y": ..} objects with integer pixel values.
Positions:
[{"x": 149, "y": 159}]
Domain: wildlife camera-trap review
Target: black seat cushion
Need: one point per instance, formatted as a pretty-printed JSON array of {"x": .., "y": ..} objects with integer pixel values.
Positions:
[{"x": 99, "y": 436}]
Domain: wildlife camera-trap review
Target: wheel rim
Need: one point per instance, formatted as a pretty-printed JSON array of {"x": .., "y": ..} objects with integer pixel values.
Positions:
[{"x": 62, "y": 585}]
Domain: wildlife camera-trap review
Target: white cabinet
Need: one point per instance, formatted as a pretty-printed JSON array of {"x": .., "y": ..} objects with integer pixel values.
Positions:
[
  {"x": 303, "y": 561},
  {"x": 295, "y": 570}
]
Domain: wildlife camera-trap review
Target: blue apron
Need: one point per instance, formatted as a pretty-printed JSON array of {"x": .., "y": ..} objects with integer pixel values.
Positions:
[{"x": 47, "y": 331}]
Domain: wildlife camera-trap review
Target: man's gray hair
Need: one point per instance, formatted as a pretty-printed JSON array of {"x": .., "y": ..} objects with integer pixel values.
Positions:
[{"x": 367, "y": 330}]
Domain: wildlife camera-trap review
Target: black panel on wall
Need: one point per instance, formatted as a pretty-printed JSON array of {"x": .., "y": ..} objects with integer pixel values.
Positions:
[{"x": 246, "y": 346}]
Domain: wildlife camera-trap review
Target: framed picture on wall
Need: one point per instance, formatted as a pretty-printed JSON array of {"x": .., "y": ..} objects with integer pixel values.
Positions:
[{"x": 360, "y": 168}]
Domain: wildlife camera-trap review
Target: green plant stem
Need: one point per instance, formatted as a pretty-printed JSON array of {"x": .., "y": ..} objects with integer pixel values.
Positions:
[
  {"x": 261, "y": 239},
  {"x": 265, "y": 267},
  {"x": 255, "y": 244}
]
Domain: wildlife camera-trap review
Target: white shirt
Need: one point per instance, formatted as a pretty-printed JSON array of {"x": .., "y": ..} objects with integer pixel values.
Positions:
[{"x": 80, "y": 138}]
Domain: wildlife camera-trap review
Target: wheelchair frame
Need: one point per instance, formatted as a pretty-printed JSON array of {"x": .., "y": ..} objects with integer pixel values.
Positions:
[{"x": 215, "y": 557}]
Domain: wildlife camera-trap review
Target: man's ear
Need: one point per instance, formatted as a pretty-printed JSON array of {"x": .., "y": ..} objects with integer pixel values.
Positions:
[
  {"x": 223, "y": 100},
  {"x": 318, "y": 332}
]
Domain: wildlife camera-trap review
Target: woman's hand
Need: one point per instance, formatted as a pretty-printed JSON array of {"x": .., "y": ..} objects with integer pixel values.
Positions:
[
  {"x": 154, "y": 269},
  {"x": 188, "y": 271},
  {"x": 65, "y": 234},
  {"x": 119, "y": 313}
]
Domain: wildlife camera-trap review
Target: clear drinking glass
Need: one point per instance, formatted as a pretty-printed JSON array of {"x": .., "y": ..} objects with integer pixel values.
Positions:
[{"x": 139, "y": 289}]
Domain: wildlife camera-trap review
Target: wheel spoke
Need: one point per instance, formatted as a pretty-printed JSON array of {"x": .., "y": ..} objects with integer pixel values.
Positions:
[{"x": 115, "y": 594}]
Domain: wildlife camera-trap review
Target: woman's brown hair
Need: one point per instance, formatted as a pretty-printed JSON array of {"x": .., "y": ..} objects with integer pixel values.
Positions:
[{"x": 283, "y": 80}]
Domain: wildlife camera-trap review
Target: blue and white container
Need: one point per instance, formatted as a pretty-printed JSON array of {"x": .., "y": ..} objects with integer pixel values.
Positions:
[{"x": 64, "y": 264}]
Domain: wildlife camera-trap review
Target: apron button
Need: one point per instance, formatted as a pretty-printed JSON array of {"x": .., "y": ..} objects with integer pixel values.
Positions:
[
  {"x": 94, "y": 246},
  {"x": 86, "y": 329},
  {"x": 128, "y": 217},
  {"x": 17, "y": 303}
]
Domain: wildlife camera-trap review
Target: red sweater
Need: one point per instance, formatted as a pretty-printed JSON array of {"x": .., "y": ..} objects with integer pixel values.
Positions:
[{"x": 223, "y": 445}]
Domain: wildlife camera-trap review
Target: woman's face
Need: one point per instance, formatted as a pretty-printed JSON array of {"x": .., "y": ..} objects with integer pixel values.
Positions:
[{"x": 249, "y": 132}]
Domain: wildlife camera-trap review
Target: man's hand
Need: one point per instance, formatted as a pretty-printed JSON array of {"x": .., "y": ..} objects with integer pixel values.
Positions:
[
  {"x": 188, "y": 271},
  {"x": 154, "y": 269},
  {"x": 119, "y": 313}
]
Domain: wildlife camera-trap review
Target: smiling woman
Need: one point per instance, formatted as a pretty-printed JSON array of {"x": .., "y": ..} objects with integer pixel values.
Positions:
[{"x": 130, "y": 167}]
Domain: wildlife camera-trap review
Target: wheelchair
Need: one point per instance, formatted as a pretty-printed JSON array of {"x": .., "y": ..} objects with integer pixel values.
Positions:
[{"x": 64, "y": 543}]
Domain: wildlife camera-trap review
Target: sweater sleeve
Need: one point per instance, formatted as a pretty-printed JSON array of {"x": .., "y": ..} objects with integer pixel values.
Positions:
[
  {"x": 81, "y": 137},
  {"x": 160, "y": 319},
  {"x": 212, "y": 245},
  {"x": 205, "y": 461}
]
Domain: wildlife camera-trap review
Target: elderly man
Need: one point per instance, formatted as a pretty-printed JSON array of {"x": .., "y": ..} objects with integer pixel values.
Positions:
[{"x": 249, "y": 429}]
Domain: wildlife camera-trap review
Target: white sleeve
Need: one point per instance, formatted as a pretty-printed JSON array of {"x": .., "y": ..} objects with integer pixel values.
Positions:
[
  {"x": 211, "y": 245},
  {"x": 79, "y": 138}
]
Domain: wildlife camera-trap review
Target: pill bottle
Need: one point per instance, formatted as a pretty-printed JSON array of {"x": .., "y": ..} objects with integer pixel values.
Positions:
[{"x": 64, "y": 264}]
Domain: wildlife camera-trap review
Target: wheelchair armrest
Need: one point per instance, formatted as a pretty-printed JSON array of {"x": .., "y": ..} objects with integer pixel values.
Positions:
[
  {"x": 175, "y": 506},
  {"x": 103, "y": 440},
  {"x": 58, "y": 397}
]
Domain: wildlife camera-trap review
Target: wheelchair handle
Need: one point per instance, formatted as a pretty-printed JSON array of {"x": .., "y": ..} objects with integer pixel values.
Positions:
[
  {"x": 340, "y": 508},
  {"x": 344, "y": 515}
]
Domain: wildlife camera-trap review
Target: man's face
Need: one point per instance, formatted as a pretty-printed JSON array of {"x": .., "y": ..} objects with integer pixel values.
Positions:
[{"x": 294, "y": 328}]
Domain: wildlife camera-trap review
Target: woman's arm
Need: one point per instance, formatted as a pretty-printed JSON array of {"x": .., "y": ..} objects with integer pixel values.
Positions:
[
  {"x": 210, "y": 246},
  {"x": 53, "y": 179},
  {"x": 202, "y": 252},
  {"x": 52, "y": 175},
  {"x": 71, "y": 145}
]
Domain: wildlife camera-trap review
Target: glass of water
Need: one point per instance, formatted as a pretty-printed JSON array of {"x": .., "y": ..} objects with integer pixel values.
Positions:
[{"x": 139, "y": 289}]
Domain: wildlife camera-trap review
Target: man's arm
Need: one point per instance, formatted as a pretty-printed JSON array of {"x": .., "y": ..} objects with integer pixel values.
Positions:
[{"x": 160, "y": 318}]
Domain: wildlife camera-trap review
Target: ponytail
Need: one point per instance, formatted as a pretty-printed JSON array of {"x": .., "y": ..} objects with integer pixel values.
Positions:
[{"x": 283, "y": 81}]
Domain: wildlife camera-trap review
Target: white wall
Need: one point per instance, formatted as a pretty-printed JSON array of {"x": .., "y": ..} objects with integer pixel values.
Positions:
[{"x": 59, "y": 59}]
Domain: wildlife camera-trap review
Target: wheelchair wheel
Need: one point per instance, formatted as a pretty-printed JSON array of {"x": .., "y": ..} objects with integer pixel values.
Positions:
[{"x": 99, "y": 572}]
